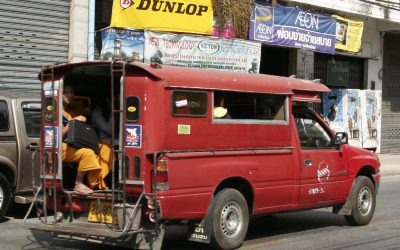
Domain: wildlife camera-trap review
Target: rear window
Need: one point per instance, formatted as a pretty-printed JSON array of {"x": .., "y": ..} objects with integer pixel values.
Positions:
[
  {"x": 31, "y": 111},
  {"x": 189, "y": 103},
  {"x": 4, "y": 121}
]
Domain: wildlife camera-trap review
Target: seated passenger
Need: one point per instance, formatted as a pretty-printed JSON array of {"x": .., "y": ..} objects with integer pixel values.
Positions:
[
  {"x": 220, "y": 111},
  {"x": 89, "y": 164},
  {"x": 101, "y": 120}
]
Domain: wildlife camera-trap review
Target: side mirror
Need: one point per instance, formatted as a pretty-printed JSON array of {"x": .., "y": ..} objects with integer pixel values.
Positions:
[{"x": 341, "y": 138}]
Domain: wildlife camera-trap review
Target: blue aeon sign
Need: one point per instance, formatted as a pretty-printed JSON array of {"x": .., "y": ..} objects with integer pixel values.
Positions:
[{"x": 293, "y": 27}]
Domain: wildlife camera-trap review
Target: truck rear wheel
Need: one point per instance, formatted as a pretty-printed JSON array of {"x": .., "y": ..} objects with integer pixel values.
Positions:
[
  {"x": 5, "y": 195},
  {"x": 230, "y": 219},
  {"x": 363, "y": 202}
]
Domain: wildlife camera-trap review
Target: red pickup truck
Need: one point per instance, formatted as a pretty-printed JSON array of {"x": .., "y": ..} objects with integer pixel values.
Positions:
[{"x": 200, "y": 147}]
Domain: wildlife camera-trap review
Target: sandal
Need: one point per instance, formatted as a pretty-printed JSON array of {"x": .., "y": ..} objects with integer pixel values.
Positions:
[{"x": 82, "y": 189}]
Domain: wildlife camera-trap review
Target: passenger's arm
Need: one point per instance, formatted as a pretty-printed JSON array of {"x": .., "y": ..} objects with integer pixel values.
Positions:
[
  {"x": 100, "y": 122},
  {"x": 65, "y": 131}
]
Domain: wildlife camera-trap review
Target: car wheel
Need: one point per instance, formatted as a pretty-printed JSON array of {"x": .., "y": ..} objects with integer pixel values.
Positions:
[
  {"x": 230, "y": 219},
  {"x": 5, "y": 195},
  {"x": 363, "y": 202}
]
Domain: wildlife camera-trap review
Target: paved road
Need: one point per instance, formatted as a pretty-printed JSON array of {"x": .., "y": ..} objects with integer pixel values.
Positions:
[{"x": 315, "y": 229}]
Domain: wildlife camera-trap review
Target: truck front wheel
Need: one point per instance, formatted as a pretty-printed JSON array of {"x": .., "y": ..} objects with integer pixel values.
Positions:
[
  {"x": 230, "y": 219},
  {"x": 5, "y": 195},
  {"x": 363, "y": 202}
]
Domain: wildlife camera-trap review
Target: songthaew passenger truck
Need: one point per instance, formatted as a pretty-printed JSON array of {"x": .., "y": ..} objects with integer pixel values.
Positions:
[{"x": 208, "y": 149}]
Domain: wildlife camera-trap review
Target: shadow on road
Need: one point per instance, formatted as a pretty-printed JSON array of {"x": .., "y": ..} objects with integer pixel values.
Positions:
[
  {"x": 261, "y": 229},
  {"x": 290, "y": 223},
  {"x": 265, "y": 228},
  {"x": 18, "y": 211}
]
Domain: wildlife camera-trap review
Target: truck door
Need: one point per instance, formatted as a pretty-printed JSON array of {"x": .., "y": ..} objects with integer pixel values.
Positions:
[
  {"x": 28, "y": 113},
  {"x": 323, "y": 167}
]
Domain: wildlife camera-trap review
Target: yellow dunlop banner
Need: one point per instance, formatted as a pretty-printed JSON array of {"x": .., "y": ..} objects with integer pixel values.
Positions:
[
  {"x": 191, "y": 16},
  {"x": 348, "y": 34}
]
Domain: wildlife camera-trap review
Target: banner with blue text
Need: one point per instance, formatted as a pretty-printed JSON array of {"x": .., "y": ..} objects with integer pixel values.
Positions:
[{"x": 292, "y": 27}]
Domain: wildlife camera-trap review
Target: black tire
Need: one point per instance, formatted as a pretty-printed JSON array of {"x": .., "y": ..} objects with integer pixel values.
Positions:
[
  {"x": 5, "y": 195},
  {"x": 230, "y": 219},
  {"x": 363, "y": 202}
]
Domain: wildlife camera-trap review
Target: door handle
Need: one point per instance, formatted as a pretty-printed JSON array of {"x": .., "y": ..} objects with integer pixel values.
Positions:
[
  {"x": 33, "y": 147},
  {"x": 307, "y": 163}
]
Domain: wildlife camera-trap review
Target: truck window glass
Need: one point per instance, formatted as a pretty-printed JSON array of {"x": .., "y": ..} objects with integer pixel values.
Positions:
[
  {"x": 132, "y": 109},
  {"x": 250, "y": 106},
  {"x": 189, "y": 103},
  {"x": 31, "y": 111},
  {"x": 4, "y": 123},
  {"x": 311, "y": 132}
]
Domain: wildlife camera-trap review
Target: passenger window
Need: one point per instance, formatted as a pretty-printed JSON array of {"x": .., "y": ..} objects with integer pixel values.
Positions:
[
  {"x": 4, "y": 121},
  {"x": 31, "y": 111},
  {"x": 311, "y": 132},
  {"x": 258, "y": 107},
  {"x": 189, "y": 103}
]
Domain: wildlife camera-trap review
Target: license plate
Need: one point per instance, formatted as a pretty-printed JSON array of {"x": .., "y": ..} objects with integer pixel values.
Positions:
[{"x": 101, "y": 212}]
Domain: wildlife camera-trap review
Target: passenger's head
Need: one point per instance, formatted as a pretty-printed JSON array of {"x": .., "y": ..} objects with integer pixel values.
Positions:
[
  {"x": 68, "y": 93},
  {"x": 219, "y": 100}
]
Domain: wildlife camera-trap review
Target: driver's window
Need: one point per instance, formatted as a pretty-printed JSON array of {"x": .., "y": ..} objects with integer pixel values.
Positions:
[{"x": 311, "y": 132}]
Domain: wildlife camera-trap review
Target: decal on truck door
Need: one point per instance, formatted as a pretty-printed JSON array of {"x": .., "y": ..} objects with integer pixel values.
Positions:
[
  {"x": 323, "y": 172},
  {"x": 133, "y": 136}
]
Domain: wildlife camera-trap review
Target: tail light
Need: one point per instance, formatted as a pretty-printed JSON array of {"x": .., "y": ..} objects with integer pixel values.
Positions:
[{"x": 161, "y": 174}]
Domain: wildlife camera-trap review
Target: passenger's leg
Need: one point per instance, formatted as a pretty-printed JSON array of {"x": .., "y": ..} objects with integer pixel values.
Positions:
[
  {"x": 88, "y": 164},
  {"x": 105, "y": 160}
]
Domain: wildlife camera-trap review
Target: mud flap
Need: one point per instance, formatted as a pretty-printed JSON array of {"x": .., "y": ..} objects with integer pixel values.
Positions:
[
  {"x": 345, "y": 209},
  {"x": 201, "y": 232}
]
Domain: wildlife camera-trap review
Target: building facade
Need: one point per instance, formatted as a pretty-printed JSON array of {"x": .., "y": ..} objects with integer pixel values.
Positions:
[{"x": 42, "y": 32}]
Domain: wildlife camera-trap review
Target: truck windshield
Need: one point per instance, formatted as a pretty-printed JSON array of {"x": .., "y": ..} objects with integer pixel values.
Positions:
[{"x": 31, "y": 111}]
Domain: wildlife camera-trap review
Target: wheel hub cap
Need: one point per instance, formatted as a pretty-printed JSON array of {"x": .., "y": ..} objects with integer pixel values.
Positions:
[
  {"x": 231, "y": 219},
  {"x": 365, "y": 201}
]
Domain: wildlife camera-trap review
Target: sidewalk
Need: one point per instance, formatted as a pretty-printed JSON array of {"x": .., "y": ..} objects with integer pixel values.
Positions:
[{"x": 390, "y": 164}]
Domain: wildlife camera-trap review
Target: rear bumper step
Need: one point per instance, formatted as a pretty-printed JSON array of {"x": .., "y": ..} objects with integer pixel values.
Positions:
[
  {"x": 102, "y": 233},
  {"x": 77, "y": 228}
]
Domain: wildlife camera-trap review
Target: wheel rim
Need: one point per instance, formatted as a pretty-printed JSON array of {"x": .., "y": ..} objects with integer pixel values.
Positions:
[
  {"x": 1, "y": 197},
  {"x": 365, "y": 201},
  {"x": 231, "y": 219}
]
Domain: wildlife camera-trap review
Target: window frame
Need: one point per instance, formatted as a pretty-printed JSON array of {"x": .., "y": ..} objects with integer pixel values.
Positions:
[
  {"x": 172, "y": 103},
  {"x": 23, "y": 114},
  {"x": 313, "y": 118}
]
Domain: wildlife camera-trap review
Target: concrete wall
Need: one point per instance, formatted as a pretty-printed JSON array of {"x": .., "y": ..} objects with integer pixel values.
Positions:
[
  {"x": 372, "y": 49},
  {"x": 78, "y": 31}
]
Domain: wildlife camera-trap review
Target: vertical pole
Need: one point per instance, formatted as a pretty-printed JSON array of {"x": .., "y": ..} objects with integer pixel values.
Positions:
[{"x": 91, "y": 29}]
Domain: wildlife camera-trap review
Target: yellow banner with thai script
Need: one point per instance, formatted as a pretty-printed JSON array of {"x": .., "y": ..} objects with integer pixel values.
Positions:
[
  {"x": 348, "y": 34},
  {"x": 189, "y": 16}
]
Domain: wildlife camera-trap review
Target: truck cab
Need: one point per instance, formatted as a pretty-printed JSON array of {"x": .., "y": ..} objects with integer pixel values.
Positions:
[{"x": 20, "y": 116}]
